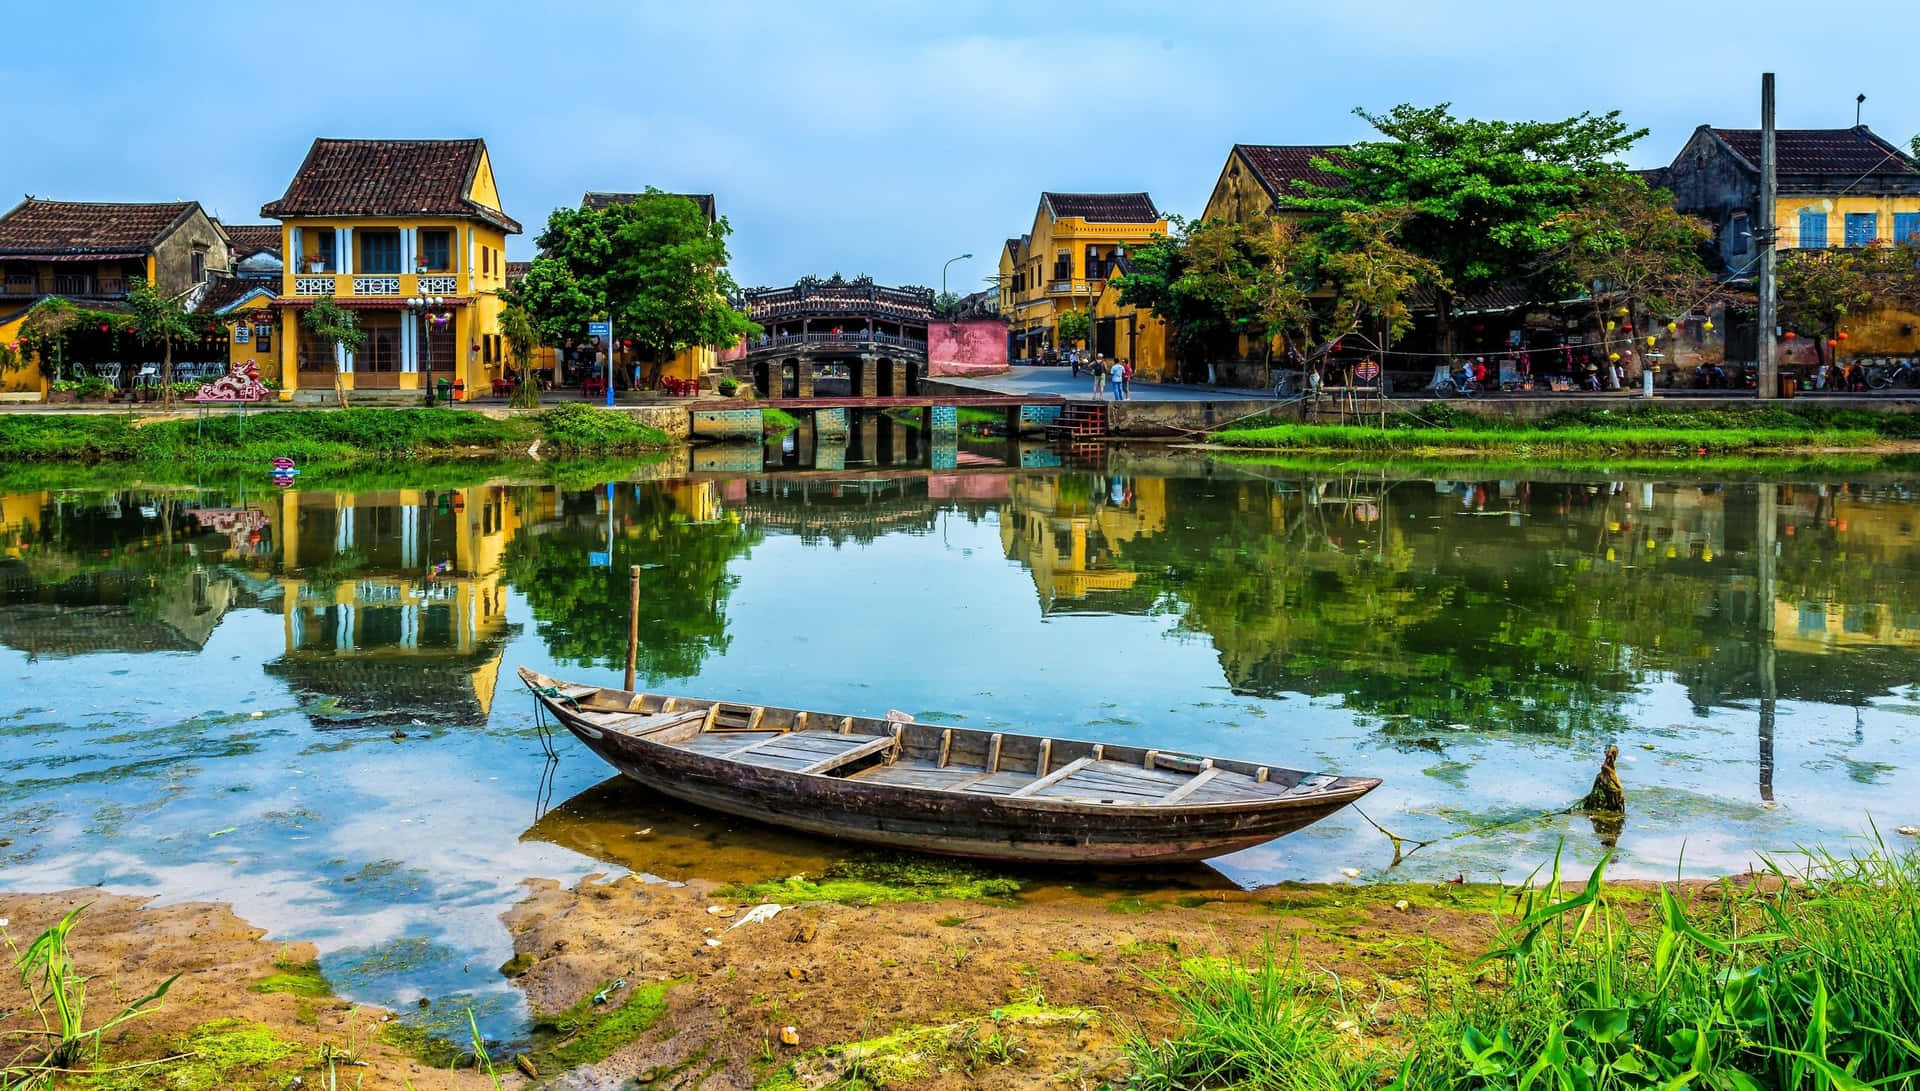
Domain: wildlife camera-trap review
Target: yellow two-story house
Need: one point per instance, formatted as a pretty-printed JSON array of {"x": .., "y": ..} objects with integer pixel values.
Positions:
[
  {"x": 1079, "y": 241},
  {"x": 409, "y": 236}
]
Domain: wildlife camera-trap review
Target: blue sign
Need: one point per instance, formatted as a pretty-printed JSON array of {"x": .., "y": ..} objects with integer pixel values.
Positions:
[{"x": 600, "y": 329}]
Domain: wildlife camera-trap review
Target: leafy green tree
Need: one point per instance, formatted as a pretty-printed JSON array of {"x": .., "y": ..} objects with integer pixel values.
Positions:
[
  {"x": 1628, "y": 245},
  {"x": 1220, "y": 280},
  {"x": 1372, "y": 277},
  {"x": 1484, "y": 197},
  {"x": 333, "y": 325},
  {"x": 521, "y": 335},
  {"x": 656, "y": 266},
  {"x": 1818, "y": 288},
  {"x": 1074, "y": 327},
  {"x": 159, "y": 319},
  {"x": 946, "y": 305}
]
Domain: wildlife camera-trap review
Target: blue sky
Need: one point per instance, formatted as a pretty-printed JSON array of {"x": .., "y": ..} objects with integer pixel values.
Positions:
[{"x": 862, "y": 136}]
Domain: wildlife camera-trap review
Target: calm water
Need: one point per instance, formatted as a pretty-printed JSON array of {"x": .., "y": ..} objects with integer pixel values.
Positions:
[{"x": 200, "y": 689}]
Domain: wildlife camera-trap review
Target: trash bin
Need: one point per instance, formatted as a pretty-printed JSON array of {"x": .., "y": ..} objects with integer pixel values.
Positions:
[
  {"x": 1787, "y": 385},
  {"x": 445, "y": 389},
  {"x": 459, "y": 391}
]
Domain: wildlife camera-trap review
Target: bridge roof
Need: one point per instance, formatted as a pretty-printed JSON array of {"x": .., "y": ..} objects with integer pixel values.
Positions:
[{"x": 838, "y": 297}]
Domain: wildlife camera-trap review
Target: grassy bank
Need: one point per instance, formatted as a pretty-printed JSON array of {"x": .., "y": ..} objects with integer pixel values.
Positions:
[
  {"x": 1803, "y": 980},
  {"x": 1655, "y": 431},
  {"x": 317, "y": 439}
]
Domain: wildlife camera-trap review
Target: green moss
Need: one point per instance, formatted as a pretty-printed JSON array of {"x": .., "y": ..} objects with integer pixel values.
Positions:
[
  {"x": 589, "y": 1032},
  {"x": 777, "y": 422},
  {"x": 517, "y": 965},
  {"x": 951, "y": 921},
  {"x": 301, "y": 980},
  {"x": 1073, "y": 956},
  {"x": 220, "y": 1054},
  {"x": 423, "y": 1045},
  {"x": 1131, "y": 905},
  {"x": 884, "y": 879},
  {"x": 911, "y": 1055}
]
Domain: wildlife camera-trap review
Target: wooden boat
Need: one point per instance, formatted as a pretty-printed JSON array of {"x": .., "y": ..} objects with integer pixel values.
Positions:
[{"x": 943, "y": 789}]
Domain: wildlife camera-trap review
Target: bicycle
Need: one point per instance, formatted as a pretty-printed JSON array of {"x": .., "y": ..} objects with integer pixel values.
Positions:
[
  {"x": 1882, "y": 376},
  {"x": 1456, "y": 385}
]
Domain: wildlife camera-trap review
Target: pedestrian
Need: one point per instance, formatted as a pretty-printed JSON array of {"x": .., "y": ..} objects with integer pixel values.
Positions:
[
  {"x": 1099, "y": 378},
  {"x": 1126, "y": 381},
  {"x": 1073, "y": 360},
  {"x": 1117, "y": 380}
]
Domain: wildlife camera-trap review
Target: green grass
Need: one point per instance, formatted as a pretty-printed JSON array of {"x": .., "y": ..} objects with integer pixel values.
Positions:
[
  {"x": 316, "y": 439},
  {"x": 880, "y": 880},
  {"x": 1658, "y": 429},
  {"x": 294, "y": 978},
  {"x": 777, "y": 422},
  {"x": 1810, "y": 980}
]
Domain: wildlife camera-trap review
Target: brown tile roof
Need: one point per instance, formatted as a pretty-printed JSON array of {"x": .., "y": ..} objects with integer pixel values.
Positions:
[
  {"x": 224, "y": 292},
  {"x": 251, "y": 239},
  {"x": 1106, "y": 208},
  {"x": 388, "y": 178},
  {"x": 53, "y": 229},
  {"x": 596, "y": 200},
  {"x": 1281, "y": 168},
  {"x": 1856, "y": 151},
  {"x": 516, "y": 271}
]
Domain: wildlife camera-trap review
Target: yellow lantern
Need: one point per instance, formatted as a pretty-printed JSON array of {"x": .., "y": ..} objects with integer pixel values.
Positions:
[
  {"x": 1649, "y": 340},
  {"x": 1614, "y": 356},
  {"x": 1610, "y": 553},
  {"x": 1610, "y": 325},
  {"x": 1673, "y": 327},
  {"x": 1707, "y": 325},
  {"x": 1622, "y": 312}
]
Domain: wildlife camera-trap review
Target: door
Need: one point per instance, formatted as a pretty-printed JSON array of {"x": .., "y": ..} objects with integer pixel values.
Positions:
[
  {"x": 1103, "y": 340},
  {"x": 1906, "y": 228}
]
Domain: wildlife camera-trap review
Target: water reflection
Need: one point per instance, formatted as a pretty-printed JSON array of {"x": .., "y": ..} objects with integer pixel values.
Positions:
[{"x": 204, "y": 686}]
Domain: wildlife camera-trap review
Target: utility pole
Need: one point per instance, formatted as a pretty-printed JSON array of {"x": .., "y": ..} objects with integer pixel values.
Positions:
[{"x": 1769, "y": 362}]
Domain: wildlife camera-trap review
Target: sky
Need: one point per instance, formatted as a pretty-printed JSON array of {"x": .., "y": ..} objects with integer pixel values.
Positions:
[{"x": 873, "y": 137}]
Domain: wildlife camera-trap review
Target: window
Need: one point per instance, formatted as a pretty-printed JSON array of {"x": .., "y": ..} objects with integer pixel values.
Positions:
[
  {"x": 436, "y": 250},
  {"x": 1739, "y": 235},
  {"x": 486, "y": 259},
  {"x": 1906, "y": 228},
  {"x": 263, "y": 337},
  {"x": 1862, "y": 228},
  {"x": 379, "y": 252},
  {"x": 199, "y": 272},
  {"x": 319, "y": 257},
  {"x": 1813, "y": 230},
  {"x": 1063, "y": 266}
]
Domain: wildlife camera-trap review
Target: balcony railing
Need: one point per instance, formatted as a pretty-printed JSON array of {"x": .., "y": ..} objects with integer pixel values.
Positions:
[
  {"x": 378, "y": 284},
  {"x": 80, "y": 284},
  {"x": 22, "y": 285},
  {"x": 845, "y": 338},
  {"x": 374, "y": 285}
]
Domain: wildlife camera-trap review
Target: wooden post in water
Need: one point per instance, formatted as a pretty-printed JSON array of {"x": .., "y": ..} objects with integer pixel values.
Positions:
[{"x": 633, "y": 622}]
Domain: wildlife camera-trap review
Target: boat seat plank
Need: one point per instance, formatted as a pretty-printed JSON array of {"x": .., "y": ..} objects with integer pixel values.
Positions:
[
  {"x": 1076, "y": 789},
  {"x": 1052, "y": 778},
  {"x": 642, "y": 723},
  {"x": 904, "y": 774},
  {"x": 716, "y": 744},
  {"x": 1004, "y": 782},
  {"x": 853, "y": 753},
  {"x": 1312, "y": 784},
  {"x": 1193, "y": 783}
]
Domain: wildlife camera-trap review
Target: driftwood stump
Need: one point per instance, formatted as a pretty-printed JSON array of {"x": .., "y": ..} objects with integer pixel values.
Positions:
[{"x": 1606, "y": 803}]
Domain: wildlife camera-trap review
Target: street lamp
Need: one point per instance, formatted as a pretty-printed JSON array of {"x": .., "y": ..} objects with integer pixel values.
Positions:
[
  {"x": 943, "y": 273},
  {"x": 424, "y": 306}
]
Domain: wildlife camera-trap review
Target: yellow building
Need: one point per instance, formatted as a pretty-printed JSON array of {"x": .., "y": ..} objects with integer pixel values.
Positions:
[
  {"x": 1078, "y": 243},
  {"x": 410, "y": 237},
  {"x": 246, "y": 307},
  {"x": 90, "y": 253},
  {"x": 1257, "y": 176}
]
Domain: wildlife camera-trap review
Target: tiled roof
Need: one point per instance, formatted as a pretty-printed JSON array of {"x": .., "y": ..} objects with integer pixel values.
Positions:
[
  {"x": 388, "y": 178},
  {"x": 596, "y": 200},
  {"x": 516, "y": 270},
  {"x": 91, "y": 229},
  {"x": 1106, "y": 208},
  {"x": 1654, "y": 177},
  {"x": 1855, "y": 151},
  {"x": 251, "y": 239},
  {"x": 1281, "y": 168},
  {"x": 223, "y": 292}
]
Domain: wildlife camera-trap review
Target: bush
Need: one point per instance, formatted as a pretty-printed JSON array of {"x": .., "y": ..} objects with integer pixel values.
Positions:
[
  {"x": 575, "y": 426},
  {"x": 727, "y": 387}
]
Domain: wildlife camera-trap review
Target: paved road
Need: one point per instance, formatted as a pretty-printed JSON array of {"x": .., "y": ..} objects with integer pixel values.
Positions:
[{"x": 1060, "y": 380}]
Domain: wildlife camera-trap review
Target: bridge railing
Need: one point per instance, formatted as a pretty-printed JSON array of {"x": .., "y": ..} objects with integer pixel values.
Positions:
[{"x": 843, "y": 339}]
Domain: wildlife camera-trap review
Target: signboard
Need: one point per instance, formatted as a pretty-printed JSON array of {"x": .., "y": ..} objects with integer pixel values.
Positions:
[
  {"x": 597, "y": 559},
  {"x": 1367, "y": 372},
  {"x": 600, "y": 329}
]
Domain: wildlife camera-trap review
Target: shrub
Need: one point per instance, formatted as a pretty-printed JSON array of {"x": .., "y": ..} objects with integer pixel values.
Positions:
[
  {"x": 727, "y": 387},
  {"x": 575, "y": 426}
]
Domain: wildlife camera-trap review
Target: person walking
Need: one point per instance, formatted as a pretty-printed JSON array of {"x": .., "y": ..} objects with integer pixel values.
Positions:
[
  {"x": 1126, "y": 381},
  {"x": 1099, "y": 378},
  {"x": 1117, "y": 380}
]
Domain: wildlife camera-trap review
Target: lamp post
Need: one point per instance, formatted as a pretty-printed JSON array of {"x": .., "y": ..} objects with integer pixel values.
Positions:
[
  {"x": 943, "y": 273},
  {"x": 423, "y": 306}
]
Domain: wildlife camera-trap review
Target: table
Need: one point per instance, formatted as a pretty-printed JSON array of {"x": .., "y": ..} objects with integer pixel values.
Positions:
[
  {"x": 502, "y": 388},
  {"x": 592, "y": 387}
]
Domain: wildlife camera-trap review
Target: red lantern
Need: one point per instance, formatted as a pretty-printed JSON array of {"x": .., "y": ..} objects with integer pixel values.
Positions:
[
  {"x": 1843, "y": 335},
  {"x": 1789, "y": 335},
  {"x": 1628, "y": 327},
  {"x": 1832, "y": 344},
  {"x": 103, "y": 327}
]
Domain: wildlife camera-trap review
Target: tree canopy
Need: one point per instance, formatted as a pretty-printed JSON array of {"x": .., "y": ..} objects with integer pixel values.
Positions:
[
  {"x": 655, "y": 265},
  {"x": 159, "y": 319},
  {"x": 1484, "y": 198}
]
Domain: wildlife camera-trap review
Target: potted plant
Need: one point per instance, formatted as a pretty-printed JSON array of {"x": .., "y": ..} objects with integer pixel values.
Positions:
[
  {"x": 63, "y": 391},
  {"x": 93, "y": 389}
]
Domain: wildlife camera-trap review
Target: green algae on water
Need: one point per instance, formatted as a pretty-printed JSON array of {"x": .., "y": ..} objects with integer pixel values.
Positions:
[
  {"x": 220, "y": 1054},
  {"x": 884, "y": 879}
]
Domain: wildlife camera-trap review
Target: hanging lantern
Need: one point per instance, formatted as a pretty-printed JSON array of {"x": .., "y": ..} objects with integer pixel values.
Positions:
[
  {"x": 1673, "y": 327},
  {"x": 1832, "y": 343},
  {"x": 104, "y": 327},
  {"x": 1610, "y": 325},
  {"x": 1788, "y": 335},
  {"x": 1614, "y": 356},
  {"x": 1707, "y": 325},
  {"x": 1622, "y": 312},
  {"x": 1649, "y": 340},
  {"x": 1628, "y": 327},
  {"x": 1843, "y": 335}
]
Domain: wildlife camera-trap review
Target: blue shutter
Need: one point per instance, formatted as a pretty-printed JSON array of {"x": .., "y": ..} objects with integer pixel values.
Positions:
[
  {"x": 1862, "y": 228},
  {"x": 1906, "y": 227},
  {"x": 1813, "y": 230}
]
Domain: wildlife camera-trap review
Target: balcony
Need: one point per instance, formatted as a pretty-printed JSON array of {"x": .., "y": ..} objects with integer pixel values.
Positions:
[
  {"x": 20, "y": 284},
  {"x": 375, "y": 285},
  {"x": 84, "y": 285}
]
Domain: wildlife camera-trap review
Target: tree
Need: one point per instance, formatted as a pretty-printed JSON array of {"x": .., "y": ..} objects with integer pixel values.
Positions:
[
  {"x": 1628, "y": 246},
  {"x": 159, "y": 319},
  {"x": 1219, "y": 280},
  {"x": 1073, "y": 326},
  {"x": 521, "y": 335},
  {"x": 946, "y": 305},
  {"x": 1818, "y": 288},
  {"x": 1372, "y": 276},
  {"x": 656, "y": 266},
  {"x": 333, "y": 325},
  {"x": 1484, "y": 197}
]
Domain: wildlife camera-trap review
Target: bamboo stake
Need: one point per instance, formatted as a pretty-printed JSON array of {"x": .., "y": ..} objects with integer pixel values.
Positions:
[{"x": 633, "y": 622}]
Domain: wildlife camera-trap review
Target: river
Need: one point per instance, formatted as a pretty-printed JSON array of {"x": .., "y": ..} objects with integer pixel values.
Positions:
[{"x": 301, "y": 701}]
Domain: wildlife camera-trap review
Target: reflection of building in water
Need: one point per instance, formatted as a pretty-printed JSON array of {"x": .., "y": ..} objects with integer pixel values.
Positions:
[
  {"x": 840, "y": 510},
  {"x": 1067, "y": 529},
  {"x": 394, "y": 602},
  {"x": 107, "y": 572}
]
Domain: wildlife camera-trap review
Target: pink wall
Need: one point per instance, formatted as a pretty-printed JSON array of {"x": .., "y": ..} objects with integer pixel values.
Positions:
[{"x": 970, "y": 346}]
